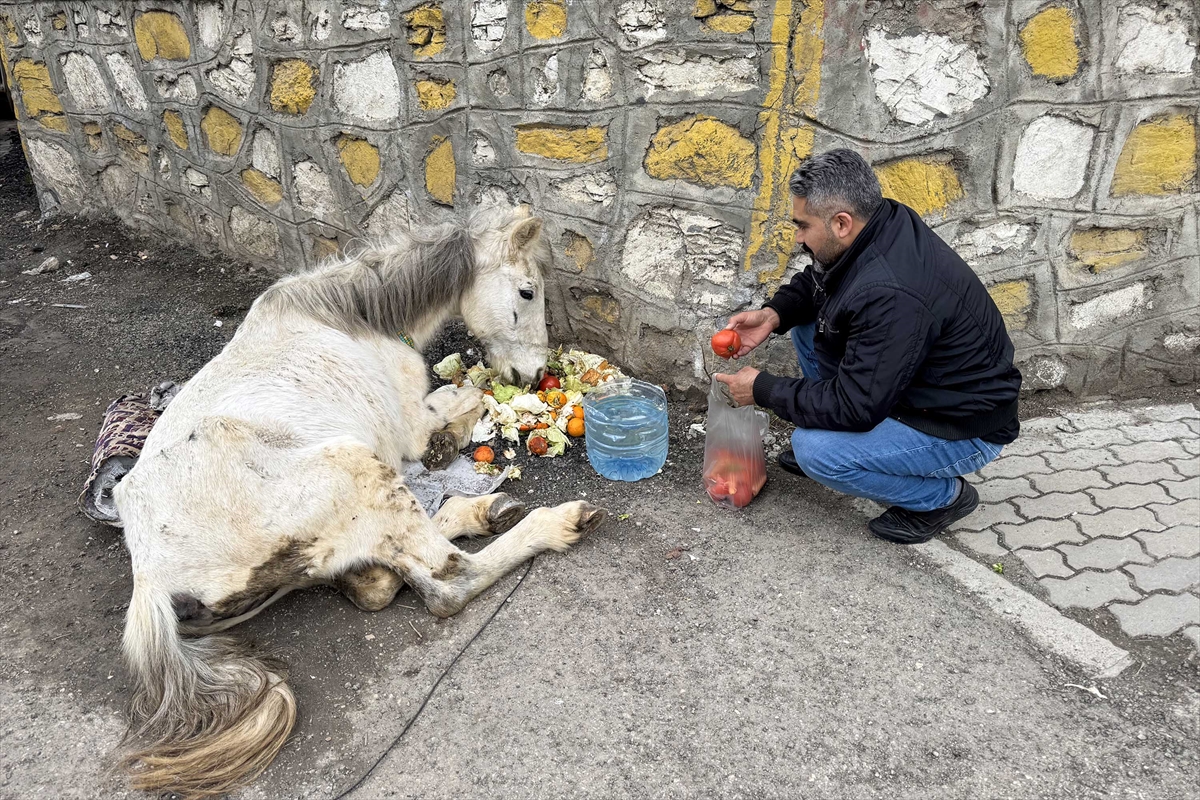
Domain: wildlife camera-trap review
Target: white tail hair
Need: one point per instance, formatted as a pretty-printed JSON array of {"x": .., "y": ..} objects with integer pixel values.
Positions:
[{"x": 211, "y": 716}]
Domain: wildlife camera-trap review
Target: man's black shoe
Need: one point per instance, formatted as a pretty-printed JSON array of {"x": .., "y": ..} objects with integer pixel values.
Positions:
[
  {"x": 913, "y": 527},
  {"x": 787, "y": 460}
]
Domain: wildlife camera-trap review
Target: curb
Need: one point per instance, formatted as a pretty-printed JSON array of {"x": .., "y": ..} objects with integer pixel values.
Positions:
[{"x": 1047, "y": 627}]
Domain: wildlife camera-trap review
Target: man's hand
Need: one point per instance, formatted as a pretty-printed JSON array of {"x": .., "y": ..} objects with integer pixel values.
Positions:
[
  {"x": 753, "y": 327},
  {"x": 741, "y": 385}
]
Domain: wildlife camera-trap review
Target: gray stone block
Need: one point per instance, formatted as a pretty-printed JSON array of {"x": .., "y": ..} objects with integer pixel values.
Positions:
[
  {"x": 1092, "y": 437},
  {"x": 1158, "y": 614},
  {"x": 1182, "y": 540},
  {"x": 1031, "y": 445},
  {"x": 1158, "y": 432},
  {"x": 1040, "y": 533},
  {"x": 1106, "y": 554},
  {"x": 1183, "y": 490},
  {"x": 1101, "y": 418},
  {"x": 1015, "y": 467},
  {"x": 1069, "y": 480},
  {"x": 1171, "y": 413},
  {"x": 1130, "y": 495},
  {"x": 1172, "y": 574},
  {"x": 1188, "y": 467},
  {"x": 1045, "y": 562},
  {"x": 1089, "y": 589},
  {"x": 1118, "y": 522},
  {"x": 1055, "y": 505},
  {"x": 985, "y": 516},
  {"x": 1141, "y": 472},
  {"x": 982, "y": 542},
  {"x": 1185, "y": 512},
  {"x": 997, "y": 489},
  {"x": 1147, "y": 451},
  {"x": 1081, "y": 459}
]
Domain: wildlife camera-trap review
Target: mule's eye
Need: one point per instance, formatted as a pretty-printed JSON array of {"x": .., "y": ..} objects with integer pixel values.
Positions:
[{"x": 527, "y": 294}]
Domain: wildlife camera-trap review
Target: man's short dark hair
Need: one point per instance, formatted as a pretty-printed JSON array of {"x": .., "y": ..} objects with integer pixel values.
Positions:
[{"x": 839, "y": 180}]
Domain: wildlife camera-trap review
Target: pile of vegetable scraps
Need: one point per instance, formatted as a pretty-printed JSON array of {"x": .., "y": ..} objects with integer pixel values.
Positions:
[{"x": 550, "y": 415}]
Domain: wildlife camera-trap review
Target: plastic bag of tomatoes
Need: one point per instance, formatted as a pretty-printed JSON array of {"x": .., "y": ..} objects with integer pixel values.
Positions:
[{"x": 735, "y": 463}]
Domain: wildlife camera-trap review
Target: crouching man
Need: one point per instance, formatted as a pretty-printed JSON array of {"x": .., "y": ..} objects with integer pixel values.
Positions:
[{"x": 907, "y": 379}]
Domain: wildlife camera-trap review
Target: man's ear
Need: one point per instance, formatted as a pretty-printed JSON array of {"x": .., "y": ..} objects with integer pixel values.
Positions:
[{"x": 842, "y": 223}]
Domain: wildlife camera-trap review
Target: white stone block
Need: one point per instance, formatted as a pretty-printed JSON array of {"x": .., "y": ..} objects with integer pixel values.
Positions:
[
  {"x": 697, "y": 73},
  {"x": 1153, "y": 40},
  {"x": 1109, "y": 307},
  {"x": 314, "y": 193},
  {"x": 126, "y": 79},
  {"x": 1052, "y": 158},
  {"x": 55, "y": 167},
  {"x": 595, "y": 187},
  {"x": 368, "y": 89},
  {"x": 360, "y": 18},
  {"x": 990, "y": 240},
  {"x": 924, "y": 76},
  {"x": 84, "y": 82},
  {"x": 643, "y": 21},
  {"x": 265, "y": 154}
]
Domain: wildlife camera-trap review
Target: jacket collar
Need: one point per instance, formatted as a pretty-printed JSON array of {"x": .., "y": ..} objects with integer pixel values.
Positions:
[{"x": 875, "y": 225}]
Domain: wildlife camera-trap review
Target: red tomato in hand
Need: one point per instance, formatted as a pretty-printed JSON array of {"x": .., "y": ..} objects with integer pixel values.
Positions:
[
  {"x": 549, "y": 382},
  {"x": 726, "y": 343}
]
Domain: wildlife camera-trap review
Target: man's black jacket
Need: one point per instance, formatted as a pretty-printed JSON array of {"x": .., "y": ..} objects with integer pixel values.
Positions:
[{"x": 906, "y": 330}]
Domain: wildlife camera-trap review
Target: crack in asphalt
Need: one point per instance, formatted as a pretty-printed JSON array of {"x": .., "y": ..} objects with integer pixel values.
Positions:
[{"x": 433, "y": 689}]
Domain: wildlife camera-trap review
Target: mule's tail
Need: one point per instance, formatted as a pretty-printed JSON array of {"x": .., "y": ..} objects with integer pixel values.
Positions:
[{"x": 208, "y": 715}]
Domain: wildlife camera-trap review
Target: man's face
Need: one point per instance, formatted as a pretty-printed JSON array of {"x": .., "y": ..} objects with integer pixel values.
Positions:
[{"x": 815, "y": 235}]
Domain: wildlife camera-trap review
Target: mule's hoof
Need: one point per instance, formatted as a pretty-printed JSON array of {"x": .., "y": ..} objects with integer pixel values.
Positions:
[
  {"x": 441, "y": 451},
  {"x": 504, "y": 513},
  {"x": 590, "y": 518}
]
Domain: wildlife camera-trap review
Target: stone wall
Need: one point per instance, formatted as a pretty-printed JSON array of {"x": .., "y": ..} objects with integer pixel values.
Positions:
[{"x": 1052, "y": 143}]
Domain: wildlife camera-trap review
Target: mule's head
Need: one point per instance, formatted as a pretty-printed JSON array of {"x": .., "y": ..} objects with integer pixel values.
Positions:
[{"x": 505, "y": 306}]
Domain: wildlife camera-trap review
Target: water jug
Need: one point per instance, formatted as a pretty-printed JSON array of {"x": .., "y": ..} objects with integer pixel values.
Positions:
[{"x": 625, "y": 429}]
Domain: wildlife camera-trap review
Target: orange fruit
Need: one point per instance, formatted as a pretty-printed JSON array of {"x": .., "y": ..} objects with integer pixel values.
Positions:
[
  {"x": 538, "y": 446},
  {"x": 575, "y": 427},
  {"x": 577, "y": 412},
  {"x": 485, "y": 454}
]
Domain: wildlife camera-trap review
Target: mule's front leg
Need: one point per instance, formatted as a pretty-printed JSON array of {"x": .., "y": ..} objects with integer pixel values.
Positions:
[{"x": 454, "y": 414}]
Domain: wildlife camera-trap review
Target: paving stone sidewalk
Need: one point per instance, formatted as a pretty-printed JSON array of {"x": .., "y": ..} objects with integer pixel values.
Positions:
[{"x": 1103, "y": 506}]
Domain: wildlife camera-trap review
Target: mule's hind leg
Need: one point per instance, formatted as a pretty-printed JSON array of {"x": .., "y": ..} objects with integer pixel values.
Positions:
[
  {"x": 371, "y": 588},
  {"x": 447, "y": 587},
  {"x": 478, "y": 516}
]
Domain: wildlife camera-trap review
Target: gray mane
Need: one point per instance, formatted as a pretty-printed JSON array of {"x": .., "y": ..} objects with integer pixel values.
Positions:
[{"x": 386, "y": 286}]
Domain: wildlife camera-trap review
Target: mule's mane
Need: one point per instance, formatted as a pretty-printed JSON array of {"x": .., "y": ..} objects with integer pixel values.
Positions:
[{"x": 386, "y": 286}]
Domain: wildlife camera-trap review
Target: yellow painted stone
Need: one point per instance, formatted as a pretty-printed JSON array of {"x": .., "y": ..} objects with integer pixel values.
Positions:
[
  {"x": 580, "y": 145},
  {"x": 93, "y": 132},
  {"x": 160, "y": 34},
  {"x": 1158, "y": 158},
  {"x": 9, "y": 28},
  {"x": 59, "y": 21},
  {"x": 262, "y": 186},
  {"x": 440, "y": 171},
  {"x": 705, "y": 8},
  {"x": 427, "y": 30},
  {"x": 546, "y": 19},
  {"x": 55, "y": 122},
  {"x": 1014, "y": 299},
  {"x": 580, "y": 249},
  {"x": 1048, "y": 44},
  {"x": 925, "y": 184},
  {"x": 175, "y": 130},
  {"x": 1105, "y": 248},
  {"x": 434, "y": 94},
  {"x": 222, "y": 131},
  {"x": 37, "y": 92},
  {"x": 360, "y": 158},
  {"x": 323, "y": 247},
  {"x": 703, "y": 150},
  {"x": 597, "y": 306},
  {"x": 730, "y": 23},
  {"x": 293, "y": 86},
  {"x": 132, "y": 144}
]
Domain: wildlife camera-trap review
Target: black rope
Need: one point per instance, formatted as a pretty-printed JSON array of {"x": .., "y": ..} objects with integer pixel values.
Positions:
[{"x": 435, "y": 686}]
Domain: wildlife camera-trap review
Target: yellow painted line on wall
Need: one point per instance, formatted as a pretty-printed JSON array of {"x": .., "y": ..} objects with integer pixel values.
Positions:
[{"x": 782, "y": 148}]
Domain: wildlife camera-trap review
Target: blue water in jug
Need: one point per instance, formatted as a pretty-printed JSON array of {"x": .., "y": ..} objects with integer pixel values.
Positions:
[{"x": 625, "y": 429}]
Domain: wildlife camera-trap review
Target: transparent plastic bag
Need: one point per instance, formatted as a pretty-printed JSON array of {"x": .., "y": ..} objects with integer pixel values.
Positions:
[{"x": 735, "y": 462}]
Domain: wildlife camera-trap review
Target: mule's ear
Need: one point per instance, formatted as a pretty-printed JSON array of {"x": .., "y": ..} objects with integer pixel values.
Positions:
[{"x": 526, "y": 233}]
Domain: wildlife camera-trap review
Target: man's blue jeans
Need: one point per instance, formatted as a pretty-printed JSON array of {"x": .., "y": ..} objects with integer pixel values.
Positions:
[{"x": 892, "y": 463}]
